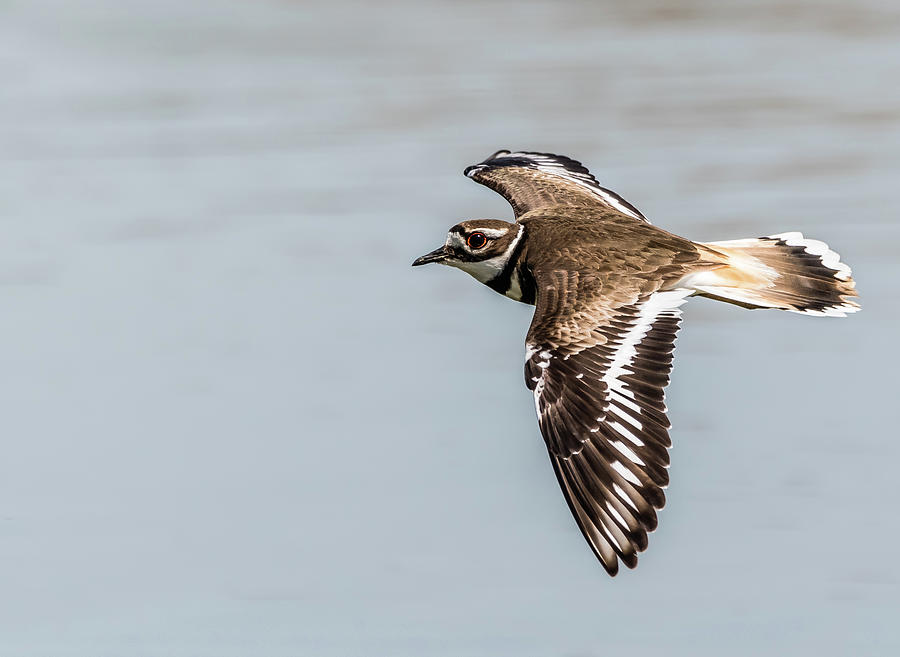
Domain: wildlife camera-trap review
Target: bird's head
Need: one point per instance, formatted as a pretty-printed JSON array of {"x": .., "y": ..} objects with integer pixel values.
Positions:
[{"x": 480, "y": 247}]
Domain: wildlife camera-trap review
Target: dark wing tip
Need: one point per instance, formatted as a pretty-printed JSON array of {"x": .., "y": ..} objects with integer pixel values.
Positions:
[
  {"x": 530, "y": 160},
  {"x": 484, "y": 164},
  {"x": 567, "y": 163},
  {"x": 611, "y": 569}
]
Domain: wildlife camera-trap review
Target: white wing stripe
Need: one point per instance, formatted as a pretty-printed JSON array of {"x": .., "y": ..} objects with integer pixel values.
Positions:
[
  {"x": 658, "y": 304},
  {"x": 627, "y": 452},
  {"x": 627, "y": 474},
  {"x": 626, "y": 401},
  {"x": 627, "y": 433},
  {"x": 624, "y": 496}
]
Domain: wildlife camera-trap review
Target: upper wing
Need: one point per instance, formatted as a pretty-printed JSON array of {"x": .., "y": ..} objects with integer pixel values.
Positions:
[
  {"x": 536, "y": 180},
  {"x": 598, "y": 370}
]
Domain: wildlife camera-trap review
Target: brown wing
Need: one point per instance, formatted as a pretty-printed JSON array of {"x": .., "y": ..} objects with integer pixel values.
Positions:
[
  {"x": 540, "y": 180},
  {"x": 598, "y": 368}
]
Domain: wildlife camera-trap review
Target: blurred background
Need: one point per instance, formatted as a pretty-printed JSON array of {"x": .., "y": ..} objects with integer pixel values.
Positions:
[{"x": 235, "y": 422}]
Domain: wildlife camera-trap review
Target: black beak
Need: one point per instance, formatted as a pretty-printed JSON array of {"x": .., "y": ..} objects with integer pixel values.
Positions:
[{"x": 438, "y": 255}]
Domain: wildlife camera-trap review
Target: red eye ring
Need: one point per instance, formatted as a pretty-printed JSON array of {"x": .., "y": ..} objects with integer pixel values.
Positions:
[{"x": 477, "y": 241}]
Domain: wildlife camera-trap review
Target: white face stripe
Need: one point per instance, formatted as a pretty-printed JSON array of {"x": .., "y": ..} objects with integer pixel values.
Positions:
[
  {"x": 455, "y": 239},
  {"x": 493, "y": 233}
]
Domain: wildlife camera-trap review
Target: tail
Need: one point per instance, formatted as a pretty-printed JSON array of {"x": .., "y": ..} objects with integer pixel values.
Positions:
[{"x": 785, "y": 271}]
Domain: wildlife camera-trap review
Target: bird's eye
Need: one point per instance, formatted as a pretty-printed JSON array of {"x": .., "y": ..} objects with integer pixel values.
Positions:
[{"x": 476, "y": 240}]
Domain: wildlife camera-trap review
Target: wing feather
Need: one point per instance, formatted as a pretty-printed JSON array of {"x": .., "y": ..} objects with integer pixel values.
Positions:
[
  {"x": 599, "y": 397},
  {"x": 540, "y": 180}
]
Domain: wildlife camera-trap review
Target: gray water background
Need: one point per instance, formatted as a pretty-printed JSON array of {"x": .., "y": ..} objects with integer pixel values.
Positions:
[{"x": 235, "y": 422}]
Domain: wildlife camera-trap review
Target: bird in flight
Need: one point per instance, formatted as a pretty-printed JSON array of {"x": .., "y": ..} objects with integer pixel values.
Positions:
[{"x": 607, "y": 287}]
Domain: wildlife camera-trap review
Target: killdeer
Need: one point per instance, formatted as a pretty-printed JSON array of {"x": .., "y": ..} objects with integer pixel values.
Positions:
[{"x": 607, "y": 287}]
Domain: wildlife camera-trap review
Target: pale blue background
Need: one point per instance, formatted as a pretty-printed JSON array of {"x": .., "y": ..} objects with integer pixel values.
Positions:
[{"x": 235, "y": 422}]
